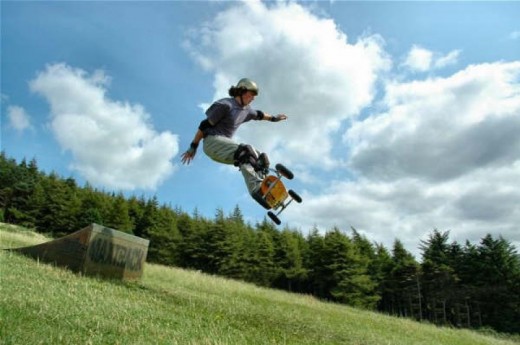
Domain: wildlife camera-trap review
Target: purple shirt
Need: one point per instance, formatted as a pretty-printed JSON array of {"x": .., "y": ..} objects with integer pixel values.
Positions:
[{"x": 226, "y": 115}]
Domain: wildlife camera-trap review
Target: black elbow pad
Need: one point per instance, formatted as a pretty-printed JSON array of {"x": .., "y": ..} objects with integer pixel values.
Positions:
[{"x": 204, "y": 124}]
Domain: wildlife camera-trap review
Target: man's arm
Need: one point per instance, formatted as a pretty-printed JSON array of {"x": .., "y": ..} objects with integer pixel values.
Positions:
[
  {"x": 279, "y": 117},
  {"x": 188, "y": 156},
  {"x": 262, "y": 116}
]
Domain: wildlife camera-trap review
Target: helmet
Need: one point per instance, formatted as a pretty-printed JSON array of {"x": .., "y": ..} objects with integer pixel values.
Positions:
[{"x": 247, "y": 84}]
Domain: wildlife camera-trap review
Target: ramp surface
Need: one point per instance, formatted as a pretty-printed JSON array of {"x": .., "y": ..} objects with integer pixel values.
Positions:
[{"x": 95, "y": 250}]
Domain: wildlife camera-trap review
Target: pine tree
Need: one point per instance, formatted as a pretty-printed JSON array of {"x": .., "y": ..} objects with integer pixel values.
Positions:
[
  {"x": 118, "y": 216},
  {"x": 165, "y": 238},
  {"x": 214, "y": 245},
  {"x": 381, "y": 268},
  {"x": 439, "y": 279},
  {"x": 349, "y": 282},
  {"x": 92, "y": 204},
  {"x": 186, "y": 227},
  {"x": 497, "y": 278},
  {"x": 235, "y": 248},
  {"x": 261, "y": 265},
  {"x": 61, "y": 207},
  {"x": 148, "y": 217},
  {"x": 404, "y": 283},
  {"x": 20, "y": 203},
  {"x": 314, "y": 261},
  {"x": 289, "y": 261}
]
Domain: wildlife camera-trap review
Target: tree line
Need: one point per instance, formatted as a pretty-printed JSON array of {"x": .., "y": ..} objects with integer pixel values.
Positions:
[{"x": 462, "y": 285}]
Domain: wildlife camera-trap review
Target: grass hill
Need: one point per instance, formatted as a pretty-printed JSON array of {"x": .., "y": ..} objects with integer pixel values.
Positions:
[{"x": 42, "y": 304}]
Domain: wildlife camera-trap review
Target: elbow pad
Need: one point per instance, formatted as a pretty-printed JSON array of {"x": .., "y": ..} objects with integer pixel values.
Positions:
[{"x": 204, "y": 125}]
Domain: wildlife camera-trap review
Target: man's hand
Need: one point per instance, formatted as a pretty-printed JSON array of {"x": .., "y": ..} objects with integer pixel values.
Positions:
[
  {"x": 279, "y": 117},
  {"x": 188, "y": 156}
]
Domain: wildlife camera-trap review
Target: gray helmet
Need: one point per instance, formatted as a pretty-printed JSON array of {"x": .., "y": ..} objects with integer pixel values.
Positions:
[{"x": 247, "y": 84}]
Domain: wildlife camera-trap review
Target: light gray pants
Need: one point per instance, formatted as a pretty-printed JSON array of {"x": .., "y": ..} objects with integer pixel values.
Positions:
[{"x": 222, "y": 149}]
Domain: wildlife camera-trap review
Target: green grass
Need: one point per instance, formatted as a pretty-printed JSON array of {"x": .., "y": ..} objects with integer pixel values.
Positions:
[{"x": 42, "y": 304}]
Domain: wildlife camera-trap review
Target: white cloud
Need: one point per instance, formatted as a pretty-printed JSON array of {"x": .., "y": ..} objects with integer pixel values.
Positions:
[
  {"x": 459, "y": 123},
  {"x": 421, "y": 60},
  {"x": 409, "y": 209},
  {"x": 305, "y": 67},
  {"x": 449, "y": 59},
  {"x": 444, "y": 154},
  {"x": 18, "y": 118},
  {"x": 434, "y": 153},
  {"x": 113, "y": 143}
]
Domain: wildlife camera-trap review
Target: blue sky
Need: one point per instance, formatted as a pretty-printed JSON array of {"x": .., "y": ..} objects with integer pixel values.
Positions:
[{"x": 403, "y": 116}]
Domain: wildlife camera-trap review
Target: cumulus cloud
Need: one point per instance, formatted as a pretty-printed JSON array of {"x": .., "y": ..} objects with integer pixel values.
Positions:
[
  {"x": 444, "y": 154},
  {"x": 440, "y": 128},
  {"x": 113, "y": 143},
  {"x": 420, "y": 59},
  {"x": 446, "y": 60},
  {"x": 305, "y": 66},
  {"x": 408, "y": 209},
  {"x": 18, "y": 118}
]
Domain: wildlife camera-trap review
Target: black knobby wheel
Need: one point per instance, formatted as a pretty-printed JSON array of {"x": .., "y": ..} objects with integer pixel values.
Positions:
[
  {"x": 284, "y": 171},
  {"x": 295, "y": 196},
  {"x": 274, "y": 218}
]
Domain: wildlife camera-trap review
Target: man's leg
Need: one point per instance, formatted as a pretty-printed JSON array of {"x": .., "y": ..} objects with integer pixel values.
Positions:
[
  {"x": 220, "y": 148},
  {"x": 224, "y": 150}
]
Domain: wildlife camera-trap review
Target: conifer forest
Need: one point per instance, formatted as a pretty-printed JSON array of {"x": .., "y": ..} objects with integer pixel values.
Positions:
[{"x": 467, "y": 285}]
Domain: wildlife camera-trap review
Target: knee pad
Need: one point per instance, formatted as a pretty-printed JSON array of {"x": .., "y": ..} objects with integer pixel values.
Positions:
[{"x": 245, "y": 154}]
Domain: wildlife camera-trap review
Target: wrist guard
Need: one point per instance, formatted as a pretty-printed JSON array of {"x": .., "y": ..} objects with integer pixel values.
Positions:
[{"x": 193, "y": 148}]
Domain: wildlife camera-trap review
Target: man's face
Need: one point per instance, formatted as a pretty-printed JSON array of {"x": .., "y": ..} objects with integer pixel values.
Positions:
[{"x": 248, "y": 97}]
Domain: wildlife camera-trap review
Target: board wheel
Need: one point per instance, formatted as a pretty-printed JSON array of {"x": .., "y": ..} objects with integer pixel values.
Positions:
[
  {"x": 284, "y": 171},
  {"x": 295, "y": 196},
  {"x": 274, "y": 218}
]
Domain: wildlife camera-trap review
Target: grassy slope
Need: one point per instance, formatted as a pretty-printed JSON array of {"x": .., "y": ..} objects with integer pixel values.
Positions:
[{"x": 41, "y": 304}]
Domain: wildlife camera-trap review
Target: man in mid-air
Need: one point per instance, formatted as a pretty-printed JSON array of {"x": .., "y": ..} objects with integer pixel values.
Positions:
[{"x": 223, "y": 119}]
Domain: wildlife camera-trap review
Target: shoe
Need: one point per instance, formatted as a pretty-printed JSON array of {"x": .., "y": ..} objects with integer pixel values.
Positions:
[
  {"x": 263, "y": 161},
  {"x": 258, "y": 197}
]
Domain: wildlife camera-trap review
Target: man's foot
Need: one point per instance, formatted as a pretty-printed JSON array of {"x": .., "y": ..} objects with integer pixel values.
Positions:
[
  {"x": 263, "y": 161},
  {"x": 257, "y": 195},
  {"x": 262, "y": 165}
]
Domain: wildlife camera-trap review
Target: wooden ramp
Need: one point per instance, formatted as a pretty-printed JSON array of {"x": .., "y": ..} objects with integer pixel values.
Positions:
[{"x": 95, "y": 250}]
